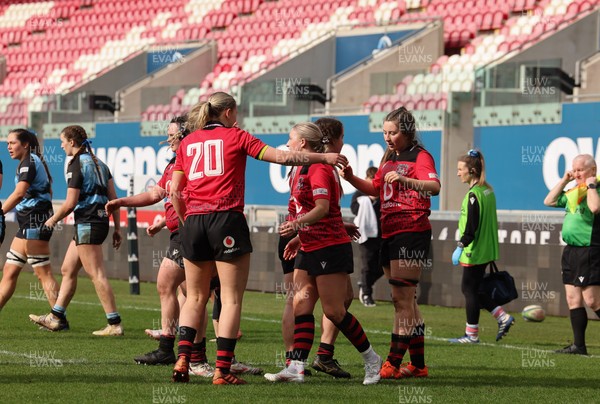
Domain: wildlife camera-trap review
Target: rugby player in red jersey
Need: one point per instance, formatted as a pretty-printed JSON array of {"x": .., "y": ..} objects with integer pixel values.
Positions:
[
  {"x": 405, "y": 182},
  {"x": 325, "y": 260}
]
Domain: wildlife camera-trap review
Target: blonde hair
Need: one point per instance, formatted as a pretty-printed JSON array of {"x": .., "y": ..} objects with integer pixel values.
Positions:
[
  {"x": 210, "y": 109},
  {"x": 312, "y": 134},
  {"x": 476, "y": 165}
]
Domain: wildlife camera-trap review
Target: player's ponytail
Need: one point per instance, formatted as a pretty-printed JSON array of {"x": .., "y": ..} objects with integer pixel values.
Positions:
[{"x": 209, "y": 110}]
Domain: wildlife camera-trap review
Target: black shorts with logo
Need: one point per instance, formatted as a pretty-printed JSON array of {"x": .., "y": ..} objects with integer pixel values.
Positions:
[
  {"x": 287, "y": 265},
  {"x": 31, "y": 223},
  {"x": 219, "y": 236},
  {"x": 581, "y": 266},
  {"x": 90, "y": 233},
  {"x": 174, "y": 250},
  {"x": 327, "y": 260},
  {"x": 411, "y": 246}
]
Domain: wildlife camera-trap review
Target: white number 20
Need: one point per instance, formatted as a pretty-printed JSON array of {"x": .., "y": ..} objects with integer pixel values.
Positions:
[{"x": 212, "y": 150}]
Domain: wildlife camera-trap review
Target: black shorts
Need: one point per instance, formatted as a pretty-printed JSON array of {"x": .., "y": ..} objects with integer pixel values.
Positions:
[
  {"x": 219, "y": 236},
  {"x": 327, "y": 260},
  {"x": 287, "y": 265},
  {"x": 31, "y": 224},
  {"x": 581, "y": 266},
  {"x": 412, "y": 246},
  {"x": 90, "y": 233},
  {"x": 174, "y": 250}
]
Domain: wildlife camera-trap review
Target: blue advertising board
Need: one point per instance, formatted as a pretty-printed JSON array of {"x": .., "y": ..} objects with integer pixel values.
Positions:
[
  {"x": 353, "y": 48},
  {"x": 159, "y": 58},
  {"x": 524, "y": 162}
]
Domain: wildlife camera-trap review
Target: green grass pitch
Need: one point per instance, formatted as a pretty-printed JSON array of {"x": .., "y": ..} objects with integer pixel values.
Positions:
[{"x": 74, "y": 366}]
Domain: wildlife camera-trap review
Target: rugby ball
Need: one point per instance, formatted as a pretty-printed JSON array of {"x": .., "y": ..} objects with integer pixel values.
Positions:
[{"x": 534, "y": 313}]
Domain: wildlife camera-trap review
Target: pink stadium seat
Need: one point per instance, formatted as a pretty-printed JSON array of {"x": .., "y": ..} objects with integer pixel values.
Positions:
[{"x": 586, "y": 6}]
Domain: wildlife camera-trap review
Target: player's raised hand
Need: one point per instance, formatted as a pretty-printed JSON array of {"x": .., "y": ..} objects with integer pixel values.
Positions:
[{"x": 336, "y": 159}]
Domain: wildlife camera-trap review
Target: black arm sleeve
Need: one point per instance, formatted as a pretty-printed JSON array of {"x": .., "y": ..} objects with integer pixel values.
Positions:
[
  {"x": 26, "y": 171},
  {"x": 472, "y": 220},
  {"x": 74, "y": 174}
]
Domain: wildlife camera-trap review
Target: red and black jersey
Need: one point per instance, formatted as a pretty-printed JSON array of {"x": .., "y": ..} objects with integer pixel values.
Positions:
[
  {"x": 404, "y": 209},
  {"x": 309, "y": 183},
  {"x": 213, "y": 160},
  {"x": 165, "y": 183}
]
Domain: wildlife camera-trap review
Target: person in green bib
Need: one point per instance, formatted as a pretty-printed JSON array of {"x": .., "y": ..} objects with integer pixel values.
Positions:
[
  {"x": 581, "y": 255},
  {"x": 478, "y": 246}
]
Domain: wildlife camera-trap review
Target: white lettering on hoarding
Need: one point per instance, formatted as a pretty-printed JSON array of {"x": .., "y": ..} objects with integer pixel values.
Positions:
[
  {"x": 565, "y": 149},
  {"x": 125, "y": 161}
]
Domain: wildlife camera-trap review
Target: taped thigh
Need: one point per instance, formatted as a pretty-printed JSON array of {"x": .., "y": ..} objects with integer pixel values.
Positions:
[
  {"x": 15, "y": 258},
  {"x": 39, "y": 260}
]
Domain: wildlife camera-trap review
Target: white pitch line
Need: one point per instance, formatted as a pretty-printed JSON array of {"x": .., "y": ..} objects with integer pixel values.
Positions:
[{"x": 89, "y": 303}]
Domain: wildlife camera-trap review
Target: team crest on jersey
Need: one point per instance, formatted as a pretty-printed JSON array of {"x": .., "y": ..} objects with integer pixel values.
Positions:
[
  {"x": 228, "y": 241},
  {"x": 402, "y": 169},
  {"x": 300, "y": 184}
]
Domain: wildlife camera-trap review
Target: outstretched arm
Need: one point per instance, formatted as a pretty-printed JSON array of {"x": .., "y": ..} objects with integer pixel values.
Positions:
[
  {"x": 297, "y": 158},
  {"x": 364, "y": 186},
  {"x": 144, "y": 199}
]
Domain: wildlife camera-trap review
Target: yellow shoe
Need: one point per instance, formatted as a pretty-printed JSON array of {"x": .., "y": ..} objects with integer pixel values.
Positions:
[{"x": 110, "y": 331}]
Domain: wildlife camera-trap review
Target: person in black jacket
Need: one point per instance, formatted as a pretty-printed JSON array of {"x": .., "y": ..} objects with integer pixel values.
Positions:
[{"x": 369, "y": 243}]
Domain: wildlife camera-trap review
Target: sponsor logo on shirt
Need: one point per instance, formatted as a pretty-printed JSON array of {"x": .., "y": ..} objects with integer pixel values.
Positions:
[
  {"x": 323, "y": 264},
  {"x": 69, "y": 176},
  {"x": 24, "y": 170},
  {"x": 320, "y": 191},
  {"x": 402, "y": 169},
  {"x": 434, "y": 175}
]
